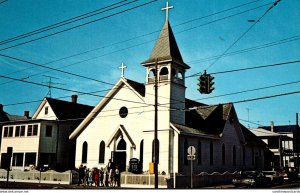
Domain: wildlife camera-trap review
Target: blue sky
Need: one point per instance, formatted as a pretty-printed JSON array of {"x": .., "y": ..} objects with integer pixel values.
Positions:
[{"x": 197, "y": 38}]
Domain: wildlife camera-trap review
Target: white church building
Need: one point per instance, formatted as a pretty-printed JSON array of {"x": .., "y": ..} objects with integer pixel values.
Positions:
[{"x": 121, "y": 125}]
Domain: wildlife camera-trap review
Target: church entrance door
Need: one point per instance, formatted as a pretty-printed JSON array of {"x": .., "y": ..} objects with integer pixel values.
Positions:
[{"x": 119, "y": 156}]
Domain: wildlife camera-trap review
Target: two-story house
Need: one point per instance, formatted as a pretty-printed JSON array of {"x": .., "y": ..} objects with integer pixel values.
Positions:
[{"x": 43, "y": 140}]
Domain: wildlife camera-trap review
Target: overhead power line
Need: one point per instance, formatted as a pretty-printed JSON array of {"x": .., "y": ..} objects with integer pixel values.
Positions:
[
  {"x": 240, "y": 37},
  {"x": 69, "y": 90},
  {"x": 250, "y": 90},
  {"x": 83, "y": 24},
  {"x": 129, "y": 46},
  {"x": 65, "y": 22},
  {"x": 257, "y": 67},
  {"x": 262, "y": 46}
]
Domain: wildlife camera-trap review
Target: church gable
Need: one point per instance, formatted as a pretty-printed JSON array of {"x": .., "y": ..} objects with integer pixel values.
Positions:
[{"x": 111, "y": 104}]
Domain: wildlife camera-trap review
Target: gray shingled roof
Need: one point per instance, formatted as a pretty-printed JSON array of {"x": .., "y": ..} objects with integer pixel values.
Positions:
[{"x": 166, "y": 48}]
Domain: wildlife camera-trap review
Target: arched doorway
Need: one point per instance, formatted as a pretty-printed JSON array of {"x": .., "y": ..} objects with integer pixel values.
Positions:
[{"x": 119, "y": 156}]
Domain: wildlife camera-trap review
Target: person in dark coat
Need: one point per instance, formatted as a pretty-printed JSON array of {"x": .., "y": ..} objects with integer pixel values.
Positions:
[
  {"x": 101, "y": 177},
  {"x": 81, "y": 173}
]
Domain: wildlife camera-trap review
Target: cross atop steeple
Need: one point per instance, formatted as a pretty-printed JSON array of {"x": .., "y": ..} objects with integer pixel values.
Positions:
[
  {"x": 123, "y": 69},
  {"x": 167, "y": 10}
]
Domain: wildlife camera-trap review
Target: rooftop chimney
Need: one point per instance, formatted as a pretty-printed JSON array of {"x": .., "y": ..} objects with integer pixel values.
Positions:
[
  {"x": 26, "y": 114},
  {"x": 74, "y": 98},
  {"x": 272, "y": 126},
  {"x": 1, "y": 108}
]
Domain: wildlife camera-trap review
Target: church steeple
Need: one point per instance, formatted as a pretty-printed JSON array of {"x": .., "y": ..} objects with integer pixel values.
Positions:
[{"x": 166, "y": 48}]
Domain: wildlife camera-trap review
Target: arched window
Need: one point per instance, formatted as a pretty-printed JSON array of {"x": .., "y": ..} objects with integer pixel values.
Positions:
[
  {"x": 164, "y": 71},
  {"x": 142, "y": 151},
  {"x": 180, "y": 75},
  {"x": 152, "y": 73},
  {"x": 157, "y": 151},
  {"x": 223, "y": 154},
  {"x": 121, "y": 145},
  {"x": 233, "y": 155},
  {"x": 185, "y": 161},
  {"x": 101, "y": 152},
  {"x": 199, "y": 153},
  {"x": 84, "y": 152},
  {"x": 211, "y": 155}
]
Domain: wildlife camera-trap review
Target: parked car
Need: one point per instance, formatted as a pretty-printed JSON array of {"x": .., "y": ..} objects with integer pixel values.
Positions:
[
  {"x": 274, "y": 176},
  {"x": 251, "y": 179},
  {"x": 289, "y": 175}
]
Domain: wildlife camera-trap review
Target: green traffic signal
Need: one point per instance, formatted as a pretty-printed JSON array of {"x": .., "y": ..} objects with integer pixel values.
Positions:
[{"x": 210, "y": 84}]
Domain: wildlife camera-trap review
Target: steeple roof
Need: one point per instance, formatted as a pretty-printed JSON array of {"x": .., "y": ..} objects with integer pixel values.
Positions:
[{"x": 166, "y": 48}]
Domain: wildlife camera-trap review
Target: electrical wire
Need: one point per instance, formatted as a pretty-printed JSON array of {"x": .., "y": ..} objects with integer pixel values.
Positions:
[
  {"x": 65, "y": 22},
  {"x": 77, "y": 26},
  {"x": 127, "y": 47},
  {"x": 262, "y": 46},
  {"x": 240, "y": 37}
]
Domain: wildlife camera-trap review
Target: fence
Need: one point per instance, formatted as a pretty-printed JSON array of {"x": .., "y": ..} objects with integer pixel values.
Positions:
[
  {"x": 67, "y": 177},
  {"x": 201, "y": 180}
]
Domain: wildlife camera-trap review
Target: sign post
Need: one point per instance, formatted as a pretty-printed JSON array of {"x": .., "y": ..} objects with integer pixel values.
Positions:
[
  {"x": 191, "y": 156},
  {"x": 9, "y": 153}
]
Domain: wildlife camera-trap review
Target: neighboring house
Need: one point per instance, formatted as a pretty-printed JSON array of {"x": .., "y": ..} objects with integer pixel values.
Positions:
[
  {"x": 289, "y": 144},
  {"x": 121, "y": 126},
  {"x": 276, "y": 143},
  {"x": 6, "y": 118},
  {"x": 43, "y": 140}
]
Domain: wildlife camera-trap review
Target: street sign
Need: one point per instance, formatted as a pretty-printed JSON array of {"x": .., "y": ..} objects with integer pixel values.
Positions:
[
  {"x": 191, "y": 157},
  {"x": 191, "y": 150}
]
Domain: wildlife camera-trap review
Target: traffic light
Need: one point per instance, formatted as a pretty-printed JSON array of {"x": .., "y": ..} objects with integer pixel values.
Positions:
[
  {"x": 202, "y": 84},
  {"x": 210, "y": 84}
]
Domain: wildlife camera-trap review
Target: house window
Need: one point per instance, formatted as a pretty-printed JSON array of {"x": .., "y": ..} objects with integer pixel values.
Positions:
[
  {"x": 211, "y": 155},
  {"x": 17, "y": 131},
  {"x": 48, "y": 130},
  {"x": 185, "y": 152},
  {"x": 101, "y": 152},
  {"x": 35, "y": 130},
  {"x": 29, "y": 130},
  {"x": 233, "y": 155},
  {"x": 199, "y": 153},
  {"x": 223, "y": 154},
  {"x": 10, "y": 131},
  {"x": 46, "y": 110},
  {"x": 22, "y": 132},
  {"x": 84, "y": 152},
  {"x": 5, "y": 133}
]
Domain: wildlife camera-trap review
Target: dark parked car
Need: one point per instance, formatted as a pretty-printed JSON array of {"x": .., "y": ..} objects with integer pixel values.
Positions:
[
  {"x": 290, "y": 175},
  {"x": 251, "y": 179},
  {"x": 274, "y": 176}
]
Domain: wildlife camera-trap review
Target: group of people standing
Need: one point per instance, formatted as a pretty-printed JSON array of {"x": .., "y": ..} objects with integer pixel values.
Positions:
[{"x": 103, "y": 177}]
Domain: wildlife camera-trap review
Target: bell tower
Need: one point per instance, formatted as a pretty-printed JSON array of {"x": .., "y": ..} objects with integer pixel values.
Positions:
[{"x": 171, "y": 69}]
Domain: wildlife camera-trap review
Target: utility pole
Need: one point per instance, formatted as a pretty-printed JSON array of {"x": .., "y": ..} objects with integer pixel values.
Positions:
[{"x": 155, "y": 129}]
